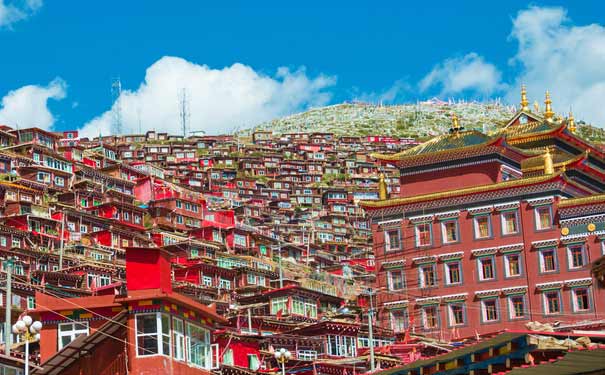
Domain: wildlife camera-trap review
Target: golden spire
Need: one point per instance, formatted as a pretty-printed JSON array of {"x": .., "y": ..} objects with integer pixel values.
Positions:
[
  {"x": 524, "y": 101},
  {"x": 571, "y": 123},
  {"x": 382, "y": 188},
  {"x": 549, "y": 167},
  {"x": 548, "y": 113},
  {"x": 456, "y": 128}
]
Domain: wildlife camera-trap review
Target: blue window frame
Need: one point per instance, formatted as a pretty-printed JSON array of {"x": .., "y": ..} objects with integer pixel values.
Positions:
[{"x": 517, "y": 307}]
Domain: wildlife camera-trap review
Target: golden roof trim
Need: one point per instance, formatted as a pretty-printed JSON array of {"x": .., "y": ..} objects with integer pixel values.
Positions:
[
  {"x": 555, "y": 165},
  {"x": 453, "y": 193},
  {"x": 597, "y": 198}
]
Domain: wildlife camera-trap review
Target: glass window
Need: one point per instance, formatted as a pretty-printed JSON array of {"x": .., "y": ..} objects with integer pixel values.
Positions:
[
  {"x": 512, "y": 265},
  {"x": 393, "y": 239},
  {"x": 430, "y": 318},
  {"x": 456, "y": 314},
  {"x": 153, "y": 334},
  {"x": 399, "y": 320},
  {"x": 449, "y": 229},
  {"x": 279, "y": 304},
  {"x": 198, "y": 346},
  {"x": 576, "y": 257},
  {"x": 68, "y": 332},
  {"x": 510, "y": 223},
  {"x": 453, "y": 273},
  {"x": 486, "y": 268},
  {"x": 516, "y": 307},
  {"x": 552, "y": 302},
  {"x": 581, "y": 299},
  {"x": 178, "y": 337},
  {"x": 427, "y": 276},
  {"x": 489, "y": 310},
  {"x": 548, "y": 260},
  {"x": 423, "y": 234},
  {"x": 483, "y": 226},
  {"x": 543, "y": 218},
  {"x": 396, "y": 280}
]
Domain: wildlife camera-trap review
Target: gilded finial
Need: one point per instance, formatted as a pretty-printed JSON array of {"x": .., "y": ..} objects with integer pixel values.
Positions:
[
  {"x": 549, "y": 167},
  {"x": 548, "y": 113},
  {"x": 571, "y": 123},
  {"x": 524, "y": 101},
  {"x": 455, "y": 125},
  {"x": 382, "y": 188}
]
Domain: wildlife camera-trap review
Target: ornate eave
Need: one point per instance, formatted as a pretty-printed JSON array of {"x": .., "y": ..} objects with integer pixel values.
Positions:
[{"x": 515, "y": 290}]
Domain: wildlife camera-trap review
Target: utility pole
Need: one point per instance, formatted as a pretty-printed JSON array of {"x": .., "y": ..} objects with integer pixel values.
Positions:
[
  {"x": 116, "y": 96},
  {"x": 62, "y": 240},
  {"x": 184, "y": 111},
  {"x": 281, "y": 271},
  {"x": 370, "y": 331},
  {"x": 8, "y": 264}
]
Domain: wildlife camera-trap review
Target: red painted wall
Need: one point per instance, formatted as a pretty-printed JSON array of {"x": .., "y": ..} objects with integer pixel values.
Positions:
[{"x": 148, "y": 269}]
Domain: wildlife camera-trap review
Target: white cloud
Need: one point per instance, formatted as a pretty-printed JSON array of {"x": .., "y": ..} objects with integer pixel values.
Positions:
[
  {"x": 28, "y": 105},
  {"x": 469, "y": 73},
  {"x": 219, "y": 100},
  {"x": 387, "y": 96},
  {"x": 567, "y": 59},
  {"x": 12, "y": 12}
]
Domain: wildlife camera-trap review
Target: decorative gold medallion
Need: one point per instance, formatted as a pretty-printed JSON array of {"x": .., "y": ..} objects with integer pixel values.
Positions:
[
  {"x": 591, "y": 227},
  {"x": 564, "y": 231}
]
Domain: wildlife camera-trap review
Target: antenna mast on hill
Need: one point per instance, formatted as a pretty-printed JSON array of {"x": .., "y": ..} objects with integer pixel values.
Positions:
[
  {"x": 116, "y": 98},
  {"x": 184, "y": 111}
]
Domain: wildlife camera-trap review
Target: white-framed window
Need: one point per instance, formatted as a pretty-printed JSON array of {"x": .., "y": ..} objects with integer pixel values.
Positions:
[
  {"x": 427, "y": 275},
  {"x": 516, "y": 307},
  {"x": 486, "y": 268},
  {"x": 510, "y": 222},
  {"x": 423, "y": 234},
  {"x": 251, "y": 279},
  {"x": 512, "y": 265},
  {"x": 489, "y": 310},
  {"x": 453, "y": 272},
  {"x": 396, "y": 279},
  {"x": 207, "y": 280},
  {"x": 68, "y": 332},
  {"x": 198, "y": 346},
  {"x": 543, "y": 216},
  {"x": 15, "y": 242},
  {"x": 483, "y": 226},
  {"x": 576, "y": 256},
  {"x": 552, "y": 302},
  {"x": 456, "y": 314},
  {"x": 279, "y": 303},
  {"x": 153, "y": 334},
  {"x": 178, "y": 338},
  {"x": 399, "y": 320},
  {"x": 449, "y": 231},
  {"x": 306, "y": 355},
  {"x": 3, "y": 241},
  {"x": 430, "y": 317},
  {"x": 342, "y": 346},
  {"x": 392, "y": 239},
  {"x": 548, "y": 260},
  {"x": 224, "y": 283},
  {"x": 581, "y": 299}
]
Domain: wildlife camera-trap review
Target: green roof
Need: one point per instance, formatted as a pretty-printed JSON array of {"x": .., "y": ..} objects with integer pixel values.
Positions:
[{"x": 577, "y": 362}]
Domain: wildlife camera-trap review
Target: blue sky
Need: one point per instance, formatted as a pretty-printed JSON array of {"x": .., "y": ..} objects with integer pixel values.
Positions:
[{"x": 63, "y": 55}]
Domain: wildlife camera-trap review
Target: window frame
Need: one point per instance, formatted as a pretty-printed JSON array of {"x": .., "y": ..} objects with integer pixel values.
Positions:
[
  {"x": 546, "y": 305},
  {"x": 506, "y": 261},
  {"x": 480, "y": 275},
  {"x": 446, "y": 272},
  {"x": 541, "y": 262},
  {"x": 484, "y": 319},
  {"x": 443, "y": 225},
  {"x": 450, "y": 314},
  {"x": 388, "y": 246},
  {"x": 476, "y": 229},
  {"x": 570, "y": 257},
  {"x": 421, "y": 278},
  {"x": 159, "y": 334},
  {"x": 390, "y": 273},
  {"x": 537, "y": 222},
  {"x": 574, "y": 305},
  {"x": 511, "y": 307},
  {"x": 417, "y": 234},
  {"x": 503, "y": 222},
  {"x": 73, "y": 333}
]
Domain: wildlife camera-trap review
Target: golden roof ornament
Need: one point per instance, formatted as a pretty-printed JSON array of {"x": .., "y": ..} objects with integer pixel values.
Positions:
[
  {"x": 571, "y": 123},
  {"x": 549, "y": 167},
  {"x": 382, "y": 188},
  {"x": 456, "y": 128},
  {"x": 548, "y": 113},
  {"x": 524, "y": 101}
]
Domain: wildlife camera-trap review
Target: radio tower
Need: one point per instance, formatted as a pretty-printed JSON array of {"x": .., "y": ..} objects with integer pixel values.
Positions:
[
  {"x": 184, "y": 111},
  {"x": 116, "y": 98}
]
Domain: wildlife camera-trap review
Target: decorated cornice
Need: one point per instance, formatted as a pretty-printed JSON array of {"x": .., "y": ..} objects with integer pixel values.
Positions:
[
  {"x": 447, "y": 215},
  {"x": 487, "y": 293},
  {"x": 480, "y": 210},
  {"x": 484, "y": 251},
  {"x": 455, "y": 297},
  {"x": 541, "y": 201},
  {"x": 389, "y": 223},
  {"x": 428, "y": 300},
  {"x": 506, "y": 206},
  {"x": 513, "y": 248},
  {"x": 582, "y": 220},
  {"x": 452, "y": 256},
  {"x": 393, "y": 264},
  {"x": 578, "y": 282},
  {"x": 550, "y": 286},
  {"x": 592, "y": 199},
  {"x": 396, "y": 304},
  {"x": 576, "y": 238},
  {"x": 553, "y": 242},
  {"x": 522, "y": 289},
  {"x": 421, "y": 219},
  {"x": 426, "y": 259}
]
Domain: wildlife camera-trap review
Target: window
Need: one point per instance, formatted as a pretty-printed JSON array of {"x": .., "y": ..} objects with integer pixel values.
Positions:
[
  {"x": 153, "y": 334},
  {"x": 59, "y": 181},
  {"x": 430, "y": 318},
  {"x": 489, "y": 310},
  {"x": 396, "y": 279},
  {"x": 342, "y": 346},
  {"x": 207, "y": 280},
  {"x": 575, "y": 256},
  {"x": 453, "y": 273},
  {"x": 510, "y": 223},
  {"x": 548, "y": 260},
  {"x": 3, "y": 241},
  {"x": 306, "y": 355},
  {"x": 581, "y": 299},
  {"x": 449, "y": 231},
  {"x": 486, "y": 268},
  {"x": 178, "y": 337},
  {"x": 31, "y": 302},
  {"x": 456, "y": 314},
  {"x": 253, "y": 363},
  {"x": 198, "y": 346},
  {"x": 393, "y": 239},
  {"x": 68, "y": 332},
  {"x": 516, "y": 307},
  {"x": 251, "y": 279},
  {"x": 224, "y": 284},
  {"x": 423, "y": 234},
  {"x": 483, "y": 226},
  {"x": 552, "y": 302},
  {"x": 399, "y": 320},
  {"x": 179, "y": 219},
  {"x": 279, "y": 304},
  {"x": 512, "y": 265},
  {"x": 427, "y": 276},
  {"x": 543, "y": 218}
]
